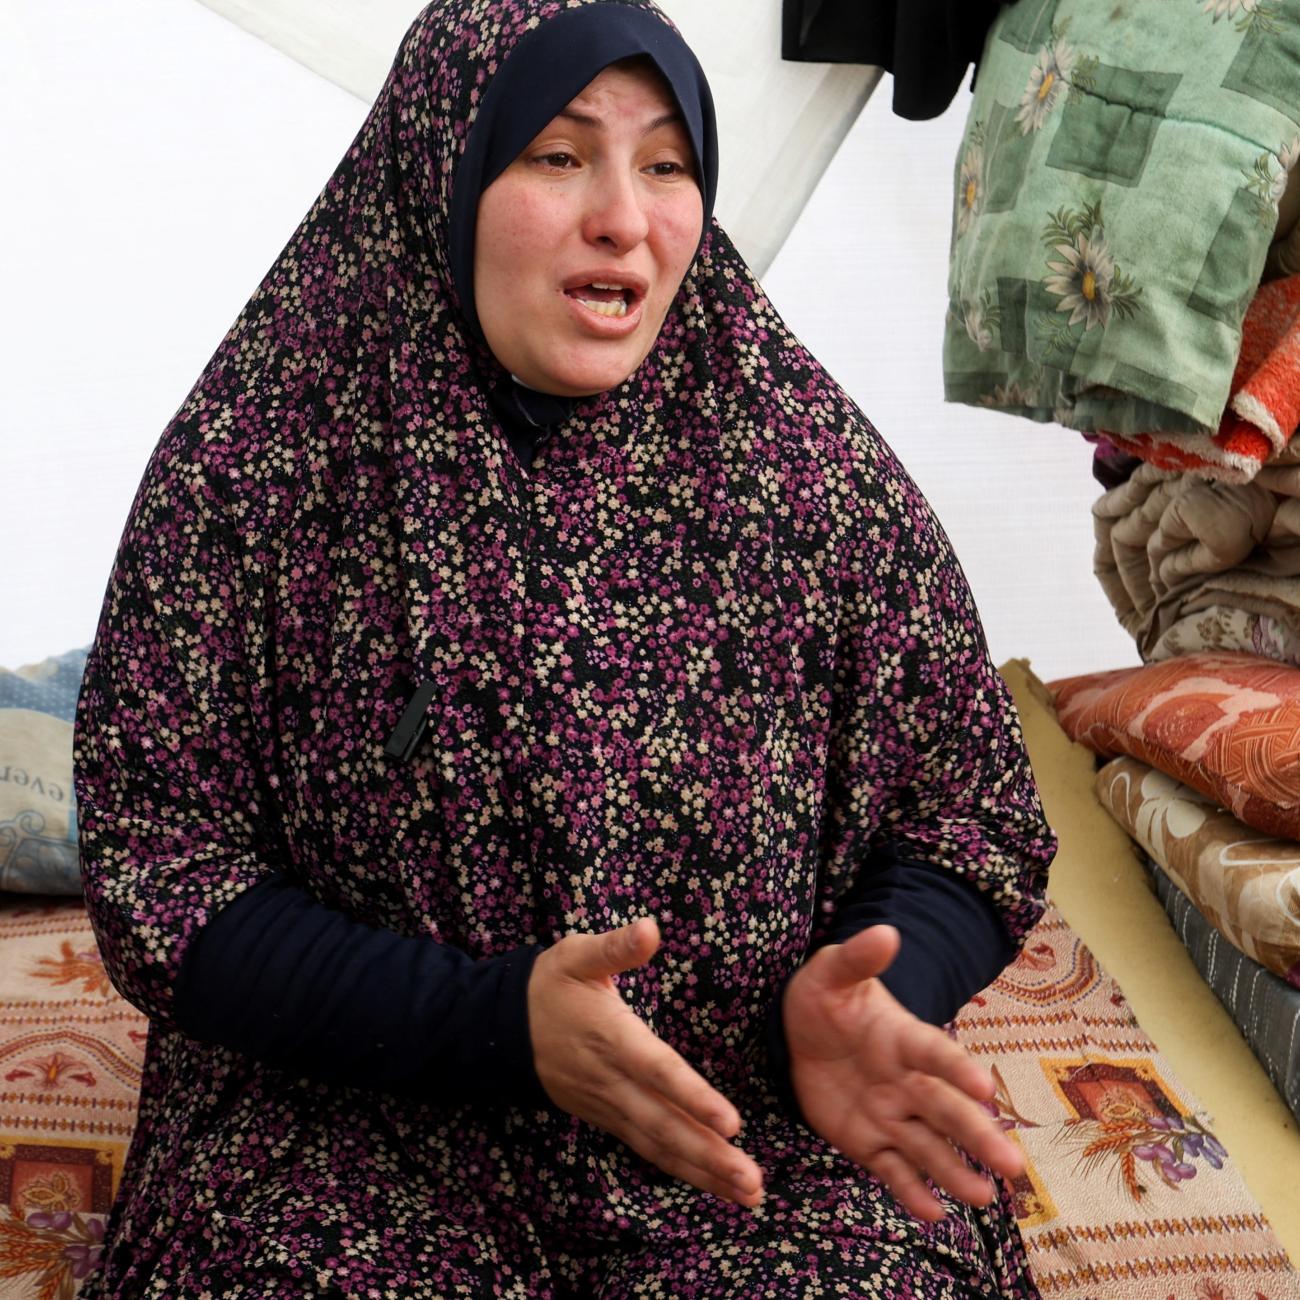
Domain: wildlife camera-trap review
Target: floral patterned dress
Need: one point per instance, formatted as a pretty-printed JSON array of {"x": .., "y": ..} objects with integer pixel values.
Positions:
[{"x": 697, "y": 663}]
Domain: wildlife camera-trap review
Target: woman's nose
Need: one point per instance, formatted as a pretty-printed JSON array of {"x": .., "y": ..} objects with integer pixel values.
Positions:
[{"x": 617, "y": 214}]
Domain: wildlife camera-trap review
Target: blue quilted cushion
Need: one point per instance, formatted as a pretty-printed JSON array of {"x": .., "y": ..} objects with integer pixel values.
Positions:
[{"x": 38, "y": 815}]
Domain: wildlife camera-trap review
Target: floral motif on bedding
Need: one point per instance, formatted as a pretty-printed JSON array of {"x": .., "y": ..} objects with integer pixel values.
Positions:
[
  {"x": 1091, "y": 281},
  {"x": 71, "y": 1053},
  {"x": 1223, "y": 629},
  {"x": 70, "y": 966},
  {"x": 48, "y": 1252},
  {"x": 1125, "y": 1120},
  {"x": 1226, "y": 725},
  {"x": 1128, "y": 1194},
  {"x": 1245, "y": 883}
]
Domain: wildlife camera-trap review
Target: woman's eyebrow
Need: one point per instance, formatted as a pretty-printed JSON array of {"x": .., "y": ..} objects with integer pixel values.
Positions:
[{"x": 585, "y": 119}]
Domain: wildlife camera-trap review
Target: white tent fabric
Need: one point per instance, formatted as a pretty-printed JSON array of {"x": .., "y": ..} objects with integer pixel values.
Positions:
[{"x": 779, "y": 123}]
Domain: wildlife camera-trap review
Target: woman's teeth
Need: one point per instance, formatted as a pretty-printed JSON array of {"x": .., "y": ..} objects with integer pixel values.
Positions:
[
  {"x": 611, "y": 302},
  {"x": 616, "y": 308}
]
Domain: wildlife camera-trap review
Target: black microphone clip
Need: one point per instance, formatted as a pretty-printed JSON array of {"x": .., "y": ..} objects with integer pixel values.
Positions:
[{"x": 410, "y": 730}]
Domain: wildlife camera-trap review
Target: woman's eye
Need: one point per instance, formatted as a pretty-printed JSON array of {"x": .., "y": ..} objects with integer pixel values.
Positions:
[
  {"x": 557, "y": 159},
  {"x": 667, "y": 169}
]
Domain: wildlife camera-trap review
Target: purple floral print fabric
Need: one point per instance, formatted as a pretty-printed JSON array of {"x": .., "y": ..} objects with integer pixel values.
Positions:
[{"x": 695, "y": 664}]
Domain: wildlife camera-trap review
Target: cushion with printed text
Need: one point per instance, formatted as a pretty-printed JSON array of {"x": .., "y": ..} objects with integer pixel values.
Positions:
[{"x": 38, "y": 818}]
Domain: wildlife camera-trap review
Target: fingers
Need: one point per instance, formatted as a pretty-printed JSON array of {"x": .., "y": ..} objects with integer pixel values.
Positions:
[
  {"x": 655, "y": 1066},
  {"x": 598, "y": 956},
  {"x": 944, "y": 1123},
  {"x": 867, "y": 954},
  {"x": 659, "y": 1106},
  {"x": 746, "y": 1190},
  {"x": 945, "y": 1166},
  {"x": 963, "y": 1122},
  {"x": 632, "y": 1049},
  {"x": 922, "y": 1152},
  {"x": 907, "y": 1186},
  {"x": 686, "y": 1149},
  {"x": 949, "y": 1104},
  {"x": 1001, "y": 1154},
  {"x": 899, "y": 1148},
  {"x": 951, "y": 1112},
  {"x": 917, "y": 1116},
  {"x": 598, "y": 1060},
  {"x": 930, "y": 1051},
  {"x": 950, "y": 1087}
]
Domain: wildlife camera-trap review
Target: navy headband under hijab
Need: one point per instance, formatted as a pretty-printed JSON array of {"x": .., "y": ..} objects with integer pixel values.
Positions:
[{"x": 542, "y": 74}]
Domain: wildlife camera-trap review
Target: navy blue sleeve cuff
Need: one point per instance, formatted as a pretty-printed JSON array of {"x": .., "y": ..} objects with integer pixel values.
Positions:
[
  {"x": 308, "y": 990},
  {"x": 953, "y": 941}
]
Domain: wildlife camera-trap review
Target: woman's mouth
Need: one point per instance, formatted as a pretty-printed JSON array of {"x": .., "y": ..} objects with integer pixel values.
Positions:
[
  {"x": 604, "y": 298},
  {"x": 603, "y": 291},
  {"x": 606, "y": 303}
]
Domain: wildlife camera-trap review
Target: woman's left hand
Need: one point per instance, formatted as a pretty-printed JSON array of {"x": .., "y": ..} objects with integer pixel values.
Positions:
[{"x": 894, "y": 1094}]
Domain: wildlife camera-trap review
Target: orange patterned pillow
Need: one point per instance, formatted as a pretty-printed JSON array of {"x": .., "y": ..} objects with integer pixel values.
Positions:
[{"x": 1228, "y": 725}]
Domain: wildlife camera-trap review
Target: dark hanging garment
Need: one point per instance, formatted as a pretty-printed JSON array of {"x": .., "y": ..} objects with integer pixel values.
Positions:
[{"x": 926, "y": 44}]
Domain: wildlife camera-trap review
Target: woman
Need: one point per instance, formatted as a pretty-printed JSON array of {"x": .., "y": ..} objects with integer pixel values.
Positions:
[{"x": 525, "y": 681}]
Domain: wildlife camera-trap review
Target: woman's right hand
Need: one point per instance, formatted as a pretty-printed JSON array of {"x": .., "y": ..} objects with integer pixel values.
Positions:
[{"x": 599, "y": 1061}]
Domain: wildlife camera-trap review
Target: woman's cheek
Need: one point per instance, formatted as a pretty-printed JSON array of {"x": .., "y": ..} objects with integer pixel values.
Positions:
[
  {"x": 534, "y": 224},
  {"x": 684, "y": 224}
]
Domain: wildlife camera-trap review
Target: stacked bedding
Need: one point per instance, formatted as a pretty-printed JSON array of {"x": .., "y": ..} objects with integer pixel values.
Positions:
[
  {"x": 1198, "y": 552},
  {"x": 1125, "y": 262},
  {"x": 1181, "y": 557},
  {"x": 1198, "y": 539},
  {"x": 1204, "y": 773}
]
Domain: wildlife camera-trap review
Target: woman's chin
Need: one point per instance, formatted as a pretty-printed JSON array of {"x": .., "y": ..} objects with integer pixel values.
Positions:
[{"x": 583, "y": 376}]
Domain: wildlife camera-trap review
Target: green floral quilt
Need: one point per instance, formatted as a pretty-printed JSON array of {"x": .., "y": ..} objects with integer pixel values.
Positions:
[{"x": 1116, "y": 193}]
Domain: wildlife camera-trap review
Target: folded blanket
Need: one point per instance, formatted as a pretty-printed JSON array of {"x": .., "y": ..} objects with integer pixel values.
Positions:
[
  {"x": 1244, "y": 882},
  {"x": 1222, "y": 628},
  {"x": 1117, "y": 193},
  {"x": 38, "y": 815},
  {"x": 1168, "y": 545},
  {"x": 1264, "y": 408},
  {"x": 1274, "y": 597}
]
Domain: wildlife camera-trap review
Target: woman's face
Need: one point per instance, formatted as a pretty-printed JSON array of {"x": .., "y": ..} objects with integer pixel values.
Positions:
[{"x": 583, "y": 240}]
